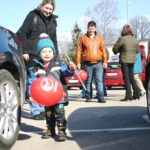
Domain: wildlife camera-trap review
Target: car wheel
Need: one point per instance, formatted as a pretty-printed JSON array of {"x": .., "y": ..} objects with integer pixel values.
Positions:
[
  {"x": 148, "y": 99},
  {"x": 81, "y": 87},
  {"x": 68, "y": 88},
  {"x": 109, "y": 87},
  {"x": 10, "y": 110}
]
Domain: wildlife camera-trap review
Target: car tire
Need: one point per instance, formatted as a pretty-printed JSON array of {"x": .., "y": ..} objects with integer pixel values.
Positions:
[
  {"x": 148, "y": 99},
  {"x": 81, "y": 88},
  {"x": 68, "y": 88},
  {"x": 10, "y": 110},
  {"x": 109, "y": 87}
]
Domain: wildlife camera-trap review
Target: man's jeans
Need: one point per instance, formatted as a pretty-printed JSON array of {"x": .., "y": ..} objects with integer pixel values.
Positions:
[{"x": 94, "y": 71}]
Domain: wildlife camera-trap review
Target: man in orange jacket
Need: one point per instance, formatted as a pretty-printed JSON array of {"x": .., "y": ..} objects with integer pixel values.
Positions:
[{"x": 91, "y": 52}]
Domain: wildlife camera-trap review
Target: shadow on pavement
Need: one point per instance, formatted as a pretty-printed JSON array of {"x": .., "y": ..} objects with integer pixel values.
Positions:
[
  {"x": 23, "y": 137},
  {"x": 110, "y": 128},
  {"x": 29, "y": 128}
]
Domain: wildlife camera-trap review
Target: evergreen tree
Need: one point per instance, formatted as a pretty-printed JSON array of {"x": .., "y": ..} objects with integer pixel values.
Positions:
[{"x": 76, "y": 33}]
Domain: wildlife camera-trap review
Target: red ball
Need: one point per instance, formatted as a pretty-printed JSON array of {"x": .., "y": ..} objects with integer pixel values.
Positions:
[
  {"x": 46, "y": 91},
  {"x": 82, "y": 74}
]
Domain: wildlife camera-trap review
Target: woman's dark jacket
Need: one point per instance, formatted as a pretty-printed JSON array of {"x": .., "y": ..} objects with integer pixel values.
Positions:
[
  {"x": 29, "y": 33},
  {"x": 57, "y": 69},
  {"x": 127, "y": 47}
]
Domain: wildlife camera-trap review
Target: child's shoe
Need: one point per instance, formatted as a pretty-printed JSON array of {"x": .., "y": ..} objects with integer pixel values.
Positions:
[
  {"x": 48, "y": 134},
  {"x": 61, "y": 136}
]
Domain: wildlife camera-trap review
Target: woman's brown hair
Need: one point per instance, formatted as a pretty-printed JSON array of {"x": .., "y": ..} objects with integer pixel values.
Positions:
[
  {"x": 127, "y": 30},
  {"x": 52, "y": 2}
]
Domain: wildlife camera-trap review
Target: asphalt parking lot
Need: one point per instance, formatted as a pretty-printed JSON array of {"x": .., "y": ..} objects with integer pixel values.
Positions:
[{"x": 114, "y": 125}]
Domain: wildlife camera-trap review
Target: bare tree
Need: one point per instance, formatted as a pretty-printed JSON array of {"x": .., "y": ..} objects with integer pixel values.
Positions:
[
  {"x": 141, "y": 27},
  {"x": 105, "y": 13}
]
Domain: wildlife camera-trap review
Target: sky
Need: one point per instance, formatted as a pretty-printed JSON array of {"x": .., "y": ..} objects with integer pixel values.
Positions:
[{"x": 13, "y": 12}]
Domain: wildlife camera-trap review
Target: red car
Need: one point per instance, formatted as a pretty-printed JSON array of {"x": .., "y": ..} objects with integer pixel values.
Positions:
[
  {"x": 73, "y": 81},
  {"x": 113, "y": 75}
]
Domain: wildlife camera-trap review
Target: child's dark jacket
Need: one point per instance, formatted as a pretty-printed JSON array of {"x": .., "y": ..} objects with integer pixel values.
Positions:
[{"x": 57, "y": 69}]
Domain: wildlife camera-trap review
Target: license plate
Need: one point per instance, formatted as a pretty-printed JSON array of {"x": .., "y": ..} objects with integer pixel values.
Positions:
[
  {"x": 112, "y": 74},
  {"x": 73, "y": 81}
]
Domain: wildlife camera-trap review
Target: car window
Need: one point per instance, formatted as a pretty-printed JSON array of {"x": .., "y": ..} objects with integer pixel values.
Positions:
[{"x": 114, "y": 66}]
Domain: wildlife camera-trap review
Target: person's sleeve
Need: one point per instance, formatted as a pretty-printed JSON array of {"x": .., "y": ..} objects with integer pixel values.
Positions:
[
  {"x": 65, "y": 70},
  {"x": 107, "y": 53},
  {"x": 103, "y": 50},
  {"x": 78, "y": 51},
  {"x": 31, "y": 78},
  {"x": 26, "y": 30},
  {"x": 117, "y": 46},
  {"x": 143, "y": 55},
  {"x": 55, "y": 43},
  {"x": 54, "y": 37}
]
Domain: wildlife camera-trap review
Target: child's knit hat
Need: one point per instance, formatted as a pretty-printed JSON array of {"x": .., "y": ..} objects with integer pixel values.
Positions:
[{"x": 43, "y": 43}]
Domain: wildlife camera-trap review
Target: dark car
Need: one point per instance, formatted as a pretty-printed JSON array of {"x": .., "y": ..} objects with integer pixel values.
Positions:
[{"x": 12, "y": 87}]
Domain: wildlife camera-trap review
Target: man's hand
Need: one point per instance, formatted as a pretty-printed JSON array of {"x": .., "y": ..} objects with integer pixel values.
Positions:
[
  {"x": 79, "y": 66},
  {"x": 26, "y": 57},
  {"x": 104, "y": 65}
]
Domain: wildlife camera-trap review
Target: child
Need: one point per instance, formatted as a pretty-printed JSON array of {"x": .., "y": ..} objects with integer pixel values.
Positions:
[
  {"x": 37, "y": 111},
  {"x": 137, "y": 72},
  {"x": 51, "y": 66}
]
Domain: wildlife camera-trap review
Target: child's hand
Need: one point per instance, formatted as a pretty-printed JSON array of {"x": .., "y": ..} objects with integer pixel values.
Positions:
[
  {"x": 72, "y": 66},
  {"x": 31, "y": 99}
]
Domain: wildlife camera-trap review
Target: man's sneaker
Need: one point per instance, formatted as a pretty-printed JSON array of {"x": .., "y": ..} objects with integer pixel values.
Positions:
[
  {"x": 88, "y": 100},
  {"x": 101, "y": 100}
]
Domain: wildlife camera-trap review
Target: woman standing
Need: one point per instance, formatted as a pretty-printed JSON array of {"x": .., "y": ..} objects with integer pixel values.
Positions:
[
  {"x": 38, "y": 21},
  {"x": 127, "y": 46}
]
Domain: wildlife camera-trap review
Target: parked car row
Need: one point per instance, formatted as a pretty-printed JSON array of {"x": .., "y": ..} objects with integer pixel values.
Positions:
[{"x": 112, "y": 77}]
